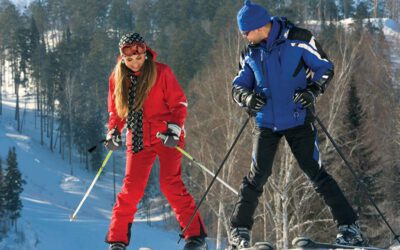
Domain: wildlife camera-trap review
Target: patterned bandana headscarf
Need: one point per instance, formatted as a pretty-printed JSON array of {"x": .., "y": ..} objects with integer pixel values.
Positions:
[{"x": 130, "y": 38}]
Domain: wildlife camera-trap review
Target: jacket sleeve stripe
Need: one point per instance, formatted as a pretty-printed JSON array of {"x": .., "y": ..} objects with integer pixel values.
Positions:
[
  {"x": 312, "y": 43},
  {"x": 184, "y": 104},
  {"x": 309, "y": 49}
]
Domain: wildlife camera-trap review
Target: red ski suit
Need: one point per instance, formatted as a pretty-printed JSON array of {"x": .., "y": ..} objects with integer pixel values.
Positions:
[{"x": 165, "y": 102}]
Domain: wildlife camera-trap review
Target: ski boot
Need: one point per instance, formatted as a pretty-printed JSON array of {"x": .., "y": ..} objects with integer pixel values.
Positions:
[
  {"x": 117, "y": 246},
  {"x": 350, "y": 235},
  {"x": 239, "y": 238},
  {"x": 196, "y": 243}
]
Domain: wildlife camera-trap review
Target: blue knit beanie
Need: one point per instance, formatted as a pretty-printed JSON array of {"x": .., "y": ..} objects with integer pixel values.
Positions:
[{"x": 252, "y": 16}]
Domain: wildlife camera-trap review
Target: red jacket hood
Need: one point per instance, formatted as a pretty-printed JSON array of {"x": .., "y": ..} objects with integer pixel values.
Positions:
[{"x": 153, "y": 53}]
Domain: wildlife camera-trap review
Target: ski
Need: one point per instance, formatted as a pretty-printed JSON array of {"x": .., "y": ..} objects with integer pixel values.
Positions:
[
  {"x": 258, "y": 246},
  {"x": 307, "y": 243}
]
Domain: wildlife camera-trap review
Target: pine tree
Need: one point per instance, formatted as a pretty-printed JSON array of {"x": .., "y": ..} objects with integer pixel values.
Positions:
[
  {"x": 13, "y": 184},
  {"x": 364, "y": 161},
  {"x": 331, "y": 10},
  {"x": 347, "y": 8},
  {"x": 120, "y": 18},
  {"x": 95, "y": 76},
  {"x": 361, "y": 11}
]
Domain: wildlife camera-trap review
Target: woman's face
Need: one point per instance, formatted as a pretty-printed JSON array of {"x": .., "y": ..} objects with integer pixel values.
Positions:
[{"x": 134, "y": 62}]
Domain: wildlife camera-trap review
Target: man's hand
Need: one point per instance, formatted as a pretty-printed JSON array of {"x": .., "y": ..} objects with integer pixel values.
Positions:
[
  {"x": 306, "y": 97},
  {"x": 255, "y": 102}
]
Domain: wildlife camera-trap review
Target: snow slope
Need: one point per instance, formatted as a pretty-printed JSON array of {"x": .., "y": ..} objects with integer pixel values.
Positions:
[{"x": 51, "y": 195}]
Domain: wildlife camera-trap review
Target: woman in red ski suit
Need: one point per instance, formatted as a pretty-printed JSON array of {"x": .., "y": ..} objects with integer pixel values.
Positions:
[{"x": 145, "y": 96}]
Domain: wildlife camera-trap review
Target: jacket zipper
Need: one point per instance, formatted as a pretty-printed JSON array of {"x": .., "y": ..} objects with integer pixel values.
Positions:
[{"x": 265, "y": 81}]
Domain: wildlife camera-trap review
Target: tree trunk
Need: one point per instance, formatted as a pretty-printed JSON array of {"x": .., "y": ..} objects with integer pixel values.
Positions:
[
  {"x": 69, "y": 95},
  {"x": 375, "y": 8},
  {"x": 70, "y": 149},
  {"x": 23, "y": 115},
  {"x": 321, "y": 10},
  {"x": 51, "y": 127},
  {"x": 17, "y": 106},
  {"x": 47, "y": 116},
  {"x": 16, "y": 90},
  {"x": 37, "y": 112},
  {"x": 218, "y": 245},
  {"x": 60, "y": 146},
  {"x": 1, "y": 84},
  {"x": 41, "y": 120}
]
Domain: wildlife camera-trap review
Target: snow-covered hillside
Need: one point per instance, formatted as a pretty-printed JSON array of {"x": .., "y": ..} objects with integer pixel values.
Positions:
[
  {"x": 391, "y": 30},
  {"x": 51, "y": 195}
]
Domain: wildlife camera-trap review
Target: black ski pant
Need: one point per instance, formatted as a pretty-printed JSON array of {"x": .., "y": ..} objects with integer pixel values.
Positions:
[{"x": 303, "y": 144}]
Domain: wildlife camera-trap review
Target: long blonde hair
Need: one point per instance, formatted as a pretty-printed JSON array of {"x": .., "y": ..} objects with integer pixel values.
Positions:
[{"x": 146, "y": 81}]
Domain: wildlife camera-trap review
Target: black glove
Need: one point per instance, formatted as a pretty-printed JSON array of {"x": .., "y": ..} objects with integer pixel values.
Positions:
[
  {"x": 254, "y": 102},
  {"x": 248, "y": 99},
  {"x": 306, "y": 97},
  {"x": 171, "y": 137},
  {"x": 113, "y": 140}
]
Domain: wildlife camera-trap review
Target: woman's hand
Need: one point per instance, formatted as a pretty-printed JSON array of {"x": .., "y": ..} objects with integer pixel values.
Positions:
[
  {"x": 113, "y": 140},
  {"x": 171, "y": 137}
]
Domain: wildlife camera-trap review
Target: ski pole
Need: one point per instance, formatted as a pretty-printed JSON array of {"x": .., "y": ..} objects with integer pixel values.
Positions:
[
  {"x": 90, "y": 150},
  {"x": 347, "y": 163},
  {"x": 159, "y": 135},
  {"x": 215, "y": 177},
  {"x": 206, "y": 170},
  {"x": 73, "y": 216}
]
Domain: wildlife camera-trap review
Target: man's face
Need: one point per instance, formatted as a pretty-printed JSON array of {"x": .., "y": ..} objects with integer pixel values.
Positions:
[{"x": 257, "y": 35}]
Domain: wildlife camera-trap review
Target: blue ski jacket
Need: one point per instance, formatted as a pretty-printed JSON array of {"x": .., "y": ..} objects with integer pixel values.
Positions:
[{"x": 288, "y": 60}]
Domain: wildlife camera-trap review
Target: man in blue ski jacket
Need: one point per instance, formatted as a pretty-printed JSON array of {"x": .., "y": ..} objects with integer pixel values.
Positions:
[{"x": 283, "y": 72}]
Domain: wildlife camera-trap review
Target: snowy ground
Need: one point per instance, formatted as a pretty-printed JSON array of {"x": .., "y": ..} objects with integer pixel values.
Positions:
[{"x": 51, "y": 195}]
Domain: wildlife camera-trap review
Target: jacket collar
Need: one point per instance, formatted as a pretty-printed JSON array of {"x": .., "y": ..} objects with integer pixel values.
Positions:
[
  {"x": 274, "y": 33},
  {"x": 277, "y": 34}
]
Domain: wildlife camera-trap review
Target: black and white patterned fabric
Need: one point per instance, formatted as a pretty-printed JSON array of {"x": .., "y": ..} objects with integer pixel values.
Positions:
[
  {"x": 130, "y": 38},
  {"x": 134, "y": 120}
]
